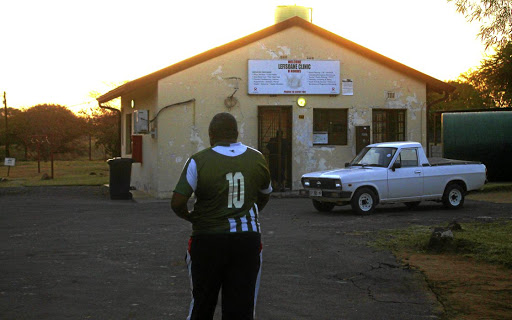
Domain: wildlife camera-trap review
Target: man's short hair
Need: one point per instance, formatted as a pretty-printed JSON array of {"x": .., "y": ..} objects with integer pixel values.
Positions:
[{"x": 223, "y": 126}]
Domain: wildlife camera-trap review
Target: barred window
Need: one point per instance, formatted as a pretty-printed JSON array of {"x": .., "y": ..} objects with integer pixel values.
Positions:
[{"x": 388, "y": 125}]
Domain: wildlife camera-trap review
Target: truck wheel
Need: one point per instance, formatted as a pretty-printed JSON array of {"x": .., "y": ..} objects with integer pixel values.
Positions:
[
  {"x": 323, "y": 206},
  {"x": 453, "y": 197},
  {"x": 364, "y": 201}
]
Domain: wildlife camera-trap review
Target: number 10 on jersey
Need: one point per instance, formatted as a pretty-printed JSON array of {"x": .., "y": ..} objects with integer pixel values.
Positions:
[{"x": 236, "y": 189}]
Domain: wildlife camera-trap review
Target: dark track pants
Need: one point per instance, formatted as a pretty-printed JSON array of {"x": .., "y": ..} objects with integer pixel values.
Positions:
[{"x": 228, "y": 261}]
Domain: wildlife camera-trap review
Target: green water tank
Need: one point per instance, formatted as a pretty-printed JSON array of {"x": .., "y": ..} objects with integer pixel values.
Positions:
[{"x": 480, "y": 136}]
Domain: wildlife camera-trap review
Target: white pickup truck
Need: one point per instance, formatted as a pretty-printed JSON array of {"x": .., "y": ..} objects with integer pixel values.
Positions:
[{"x": 393, "y": 172}]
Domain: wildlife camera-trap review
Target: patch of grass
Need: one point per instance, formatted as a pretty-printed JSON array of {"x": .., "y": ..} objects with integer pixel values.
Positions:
[
  {"x": 66, "y": 173},
  {"x": 414, "y": 238},
  {"x": 497, "y": 192},
  {"x": 496, "y": 186},
  {"x": 491, "y": 196},
  {"x": 489, "y": 242}
]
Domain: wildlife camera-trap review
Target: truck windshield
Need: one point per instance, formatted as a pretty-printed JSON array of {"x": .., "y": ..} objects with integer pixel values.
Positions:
[{"x": 374, "y": 157}]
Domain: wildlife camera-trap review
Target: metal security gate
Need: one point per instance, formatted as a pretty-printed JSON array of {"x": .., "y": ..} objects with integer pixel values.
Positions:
[{"x": 274, "y": 141}]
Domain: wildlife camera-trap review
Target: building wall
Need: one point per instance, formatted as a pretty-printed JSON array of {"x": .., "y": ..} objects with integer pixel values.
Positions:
[
  {"x": 183, "y": 129},
  {"x": 143, "y": 174}
]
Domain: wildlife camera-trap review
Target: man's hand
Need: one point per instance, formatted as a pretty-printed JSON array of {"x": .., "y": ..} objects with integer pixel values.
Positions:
[{"x": 179, "y": 205}]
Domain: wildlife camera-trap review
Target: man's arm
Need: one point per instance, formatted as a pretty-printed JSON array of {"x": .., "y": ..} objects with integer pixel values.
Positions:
[
  {"x": 262, "y": 200},
  {"x": 179, "y": 205}
]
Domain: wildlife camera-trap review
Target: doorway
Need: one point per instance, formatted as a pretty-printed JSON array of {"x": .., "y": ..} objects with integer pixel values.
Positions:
[
  {"x": 362, "y": 137},
  {"x": 274, "y": 141}
]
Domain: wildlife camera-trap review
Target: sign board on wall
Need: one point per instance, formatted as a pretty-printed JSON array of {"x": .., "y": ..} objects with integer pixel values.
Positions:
[{"x": 294, "y": 77}]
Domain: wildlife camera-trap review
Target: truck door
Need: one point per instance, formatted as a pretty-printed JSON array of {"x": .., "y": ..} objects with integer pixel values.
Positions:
[{"x": 407, "y": 180}]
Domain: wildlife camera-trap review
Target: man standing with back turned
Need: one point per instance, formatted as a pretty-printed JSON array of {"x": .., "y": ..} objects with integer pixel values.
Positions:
[{"x": 232, "y": 184}]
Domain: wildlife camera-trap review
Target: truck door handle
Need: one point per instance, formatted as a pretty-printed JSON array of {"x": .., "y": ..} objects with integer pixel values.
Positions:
[{"x": 417, "y": 171}]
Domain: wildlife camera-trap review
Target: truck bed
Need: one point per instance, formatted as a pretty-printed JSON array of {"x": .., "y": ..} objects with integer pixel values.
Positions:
[{"x": 436, "y": 161}]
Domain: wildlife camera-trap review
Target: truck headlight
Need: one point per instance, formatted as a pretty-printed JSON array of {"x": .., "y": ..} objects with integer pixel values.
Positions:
[
  {"x": 337, "y": 183},
  {"x": 305, "y": 182}
]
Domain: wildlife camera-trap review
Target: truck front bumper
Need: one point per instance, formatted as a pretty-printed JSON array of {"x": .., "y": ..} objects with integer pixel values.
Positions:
[{"x": 326, "y": 195}]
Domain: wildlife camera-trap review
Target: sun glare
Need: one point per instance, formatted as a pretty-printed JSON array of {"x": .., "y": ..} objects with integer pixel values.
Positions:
[{"x": 56, "y": 54}]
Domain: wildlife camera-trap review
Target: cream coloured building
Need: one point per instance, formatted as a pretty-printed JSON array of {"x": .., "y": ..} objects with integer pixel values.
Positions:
[{"x": 307, "y": 98}]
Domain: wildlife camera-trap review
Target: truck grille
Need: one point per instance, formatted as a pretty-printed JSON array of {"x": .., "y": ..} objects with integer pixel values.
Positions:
[{"x": 322, "y": 183}]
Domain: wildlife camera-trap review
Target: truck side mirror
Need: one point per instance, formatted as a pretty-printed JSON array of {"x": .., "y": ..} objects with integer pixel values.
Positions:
[
  {"x": 396, "y": 165},
  {"x": 347, "y": 164}
]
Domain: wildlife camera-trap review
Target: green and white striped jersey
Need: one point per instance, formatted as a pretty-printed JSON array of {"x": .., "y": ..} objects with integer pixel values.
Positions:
[{"x": 226, "y": 179}]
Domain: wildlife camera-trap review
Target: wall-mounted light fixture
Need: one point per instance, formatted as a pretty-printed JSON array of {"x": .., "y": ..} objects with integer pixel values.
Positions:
[{"x": 301, "y": 102}]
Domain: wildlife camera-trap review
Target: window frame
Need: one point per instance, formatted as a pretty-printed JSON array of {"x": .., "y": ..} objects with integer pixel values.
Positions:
[
  {"x": 389, "y": 125},
  {"x": 400, "y": 160},
  {"x": 342, "y": 139}
]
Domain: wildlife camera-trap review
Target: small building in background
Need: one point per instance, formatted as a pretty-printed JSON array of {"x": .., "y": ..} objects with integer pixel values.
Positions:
[{"x": 307, "y": 98}]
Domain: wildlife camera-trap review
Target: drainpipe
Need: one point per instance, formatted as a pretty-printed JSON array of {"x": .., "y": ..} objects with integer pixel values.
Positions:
[
  {"x": 118, "y": 147},
  {"x": 433, "y": 103}
]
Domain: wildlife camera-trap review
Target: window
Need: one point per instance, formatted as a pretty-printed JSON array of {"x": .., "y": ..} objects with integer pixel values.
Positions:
[
  {"x": 388, "y": 125},
  {"x": 377, "y": 157},
  {"x": 390, "y": 95},
  {"x": 408, "y": 158},
  {"x": 330, "y": 126}
]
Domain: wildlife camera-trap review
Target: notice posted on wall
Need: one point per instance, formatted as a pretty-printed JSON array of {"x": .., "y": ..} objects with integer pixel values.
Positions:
[
  {"x": 294, "y": 77},
  {"x": 347, "y": 87},
  {"x": 320, "y": 137}
]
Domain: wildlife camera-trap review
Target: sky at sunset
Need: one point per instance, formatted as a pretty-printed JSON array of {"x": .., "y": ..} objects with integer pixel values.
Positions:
[{"x": 58, "y": 51}]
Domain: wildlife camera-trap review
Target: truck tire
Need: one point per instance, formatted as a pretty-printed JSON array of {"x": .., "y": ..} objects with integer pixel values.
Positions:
[
  {"x": 323, "y": 206},
  {"x": 453, "y": 196},
  {"x": 364, "y": 201}
]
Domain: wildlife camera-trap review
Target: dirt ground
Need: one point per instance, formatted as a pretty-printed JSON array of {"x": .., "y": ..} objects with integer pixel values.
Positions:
[{"x": 466, "y": 288}]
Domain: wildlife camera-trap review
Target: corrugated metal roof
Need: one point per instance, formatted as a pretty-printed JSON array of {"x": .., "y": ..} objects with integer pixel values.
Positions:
[{"x": 432, "y": 83}]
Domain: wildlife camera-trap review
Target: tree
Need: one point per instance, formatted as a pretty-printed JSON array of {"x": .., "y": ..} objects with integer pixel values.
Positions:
[
  {"x": 107, "y": 131},
  {"x": 12, "y": 114},
  {"x": 465, "y": 97},
  {"x": 53, "y": 126},
  {"x": 88, "y": 123},
  {"x": 103, "y": 126},
  {"x": 495, "y": 17},
  {"x": 112, "y": 108},
  {"x": 494, "y": 77},
  {"x": 489, "y": 86}
]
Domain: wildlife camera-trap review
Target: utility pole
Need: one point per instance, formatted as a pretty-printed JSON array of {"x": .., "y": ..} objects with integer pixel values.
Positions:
[{"x": 6, "y": 128}]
